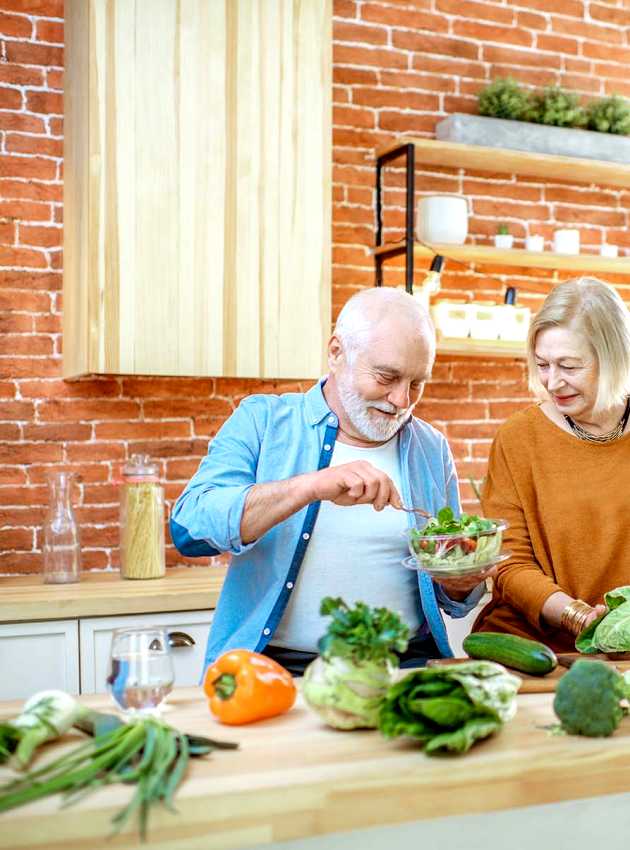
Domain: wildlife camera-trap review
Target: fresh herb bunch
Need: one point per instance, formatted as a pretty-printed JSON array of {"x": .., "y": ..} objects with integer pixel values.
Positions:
[
  {"x": 609, "y": 115},
  {"x": 361, "y": 633},
  {"x": 504, "y": 98},
  {"x": 446, "y": 523},
  {"x": 503, "y": 229},
  {"x": 556, "y": 107}
]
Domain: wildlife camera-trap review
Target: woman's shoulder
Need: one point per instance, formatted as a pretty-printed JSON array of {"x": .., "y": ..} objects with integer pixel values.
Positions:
[{"x": 518, "y": 425}]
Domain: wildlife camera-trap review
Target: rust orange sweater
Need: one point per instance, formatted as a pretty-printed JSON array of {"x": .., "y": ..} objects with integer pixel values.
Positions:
[{"x": 568, "y": 505}]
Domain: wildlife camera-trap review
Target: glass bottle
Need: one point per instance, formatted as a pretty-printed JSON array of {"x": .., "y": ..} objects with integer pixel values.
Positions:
[
  {"x": 61, "y": 546},
  {"x": 141, "y": 520}
]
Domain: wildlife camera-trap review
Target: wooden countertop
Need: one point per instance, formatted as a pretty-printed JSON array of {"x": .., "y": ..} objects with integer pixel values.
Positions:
[
  {"x": 293, "y": 777},
  {"x": 107, "y": 594}
]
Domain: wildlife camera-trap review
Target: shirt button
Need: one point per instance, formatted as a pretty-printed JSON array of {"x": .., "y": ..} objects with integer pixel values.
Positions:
[
  {"x": 266, "y": 631},
  {"x": 332, "y": 420},
  {"x": 290, "y": 585},
  {"x": 306, "y": 535},
  {"x": 327, "y": 447}
]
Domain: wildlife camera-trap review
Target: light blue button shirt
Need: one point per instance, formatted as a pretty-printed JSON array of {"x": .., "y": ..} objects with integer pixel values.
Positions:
[{"x": 272, "y": 438}]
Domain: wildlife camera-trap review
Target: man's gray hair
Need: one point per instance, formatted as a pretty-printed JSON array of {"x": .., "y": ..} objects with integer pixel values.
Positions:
[{"x": 362, "y": 313}]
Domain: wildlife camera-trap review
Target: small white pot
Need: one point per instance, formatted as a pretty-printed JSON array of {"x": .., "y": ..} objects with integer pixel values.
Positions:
[
  {"x": 608, "y": 250},
  {"x": 443, "y": 219},
  {"x": 566, "y": 241},
  {"x": 503, "y": 240},
  {"x": 535, "y": 243}
]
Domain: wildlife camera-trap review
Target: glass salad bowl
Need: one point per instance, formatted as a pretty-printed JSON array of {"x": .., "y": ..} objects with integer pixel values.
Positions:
[{"x": 449, "y": 548}]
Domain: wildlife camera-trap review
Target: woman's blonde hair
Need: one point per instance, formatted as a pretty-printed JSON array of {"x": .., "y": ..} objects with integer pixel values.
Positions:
[{"x": 595, "y": 310}]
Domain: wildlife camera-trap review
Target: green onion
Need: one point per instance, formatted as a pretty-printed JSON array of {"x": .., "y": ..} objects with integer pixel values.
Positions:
[{"x": 145, "y": 752}]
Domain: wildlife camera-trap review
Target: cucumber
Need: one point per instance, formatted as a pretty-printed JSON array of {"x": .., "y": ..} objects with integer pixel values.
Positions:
[{"x": 528, "y": 656}]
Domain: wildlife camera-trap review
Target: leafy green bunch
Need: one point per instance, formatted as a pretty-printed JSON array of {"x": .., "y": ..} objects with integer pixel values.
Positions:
[
  {"x": 609, "y": 632},
  {"x": 361, "y": 633},
  {"x": 449, "y": 708},
  {"x": 556, "y": 107},
  {"x": 447, "y": 523},
  {"x": 504, "y": 98},
  {"x": 609, "y": 115}
]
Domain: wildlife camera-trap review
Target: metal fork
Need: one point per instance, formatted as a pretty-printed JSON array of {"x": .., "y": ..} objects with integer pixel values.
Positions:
[{"x": 420, "y": 511}]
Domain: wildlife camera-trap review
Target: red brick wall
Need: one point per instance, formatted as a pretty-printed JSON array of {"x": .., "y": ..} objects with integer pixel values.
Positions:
[{"x": 398, "y": 68}]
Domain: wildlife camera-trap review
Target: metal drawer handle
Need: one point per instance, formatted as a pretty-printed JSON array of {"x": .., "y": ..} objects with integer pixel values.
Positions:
[{"x": 177, "y": 639}]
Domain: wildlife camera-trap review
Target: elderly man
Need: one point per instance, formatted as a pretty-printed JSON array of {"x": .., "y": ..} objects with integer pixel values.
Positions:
[{"x": 305, "y": 491}]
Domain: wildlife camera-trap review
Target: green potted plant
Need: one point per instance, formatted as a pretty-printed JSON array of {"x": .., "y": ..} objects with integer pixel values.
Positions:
[
  {"x": 504, "y": 98},
  {"x": 503, "y": 238},
  {"x": 609, "y": 115},
  {"x": 556, "y": 107}
]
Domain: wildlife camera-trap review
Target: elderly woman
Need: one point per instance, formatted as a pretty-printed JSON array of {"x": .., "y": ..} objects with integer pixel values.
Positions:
[{"x": 559, "y": 471}]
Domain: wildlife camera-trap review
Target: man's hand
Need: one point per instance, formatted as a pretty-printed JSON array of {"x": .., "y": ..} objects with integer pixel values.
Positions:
[
  {"x": 356, "y": 483},
  {"x": 459, "y": 588}
]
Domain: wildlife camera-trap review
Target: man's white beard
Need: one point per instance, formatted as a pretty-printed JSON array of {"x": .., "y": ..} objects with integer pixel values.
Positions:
[{"x": 372, "y": 427}]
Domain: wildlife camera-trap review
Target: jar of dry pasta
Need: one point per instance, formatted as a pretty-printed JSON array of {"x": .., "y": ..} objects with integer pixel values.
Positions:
[{"x": 141, "y": 520}]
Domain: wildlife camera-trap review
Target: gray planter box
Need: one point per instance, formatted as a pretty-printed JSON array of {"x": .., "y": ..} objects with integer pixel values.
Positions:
[{"x": 535, "y": 138}]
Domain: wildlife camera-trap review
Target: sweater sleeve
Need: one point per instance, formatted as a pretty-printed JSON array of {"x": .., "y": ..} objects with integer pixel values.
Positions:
[{"x": 520, "y": 580}]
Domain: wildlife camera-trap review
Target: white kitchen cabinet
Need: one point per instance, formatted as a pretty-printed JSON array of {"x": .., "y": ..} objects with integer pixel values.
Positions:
[
  {"x": 96, "y": 634},
  {"x": 37, "y": 656}
]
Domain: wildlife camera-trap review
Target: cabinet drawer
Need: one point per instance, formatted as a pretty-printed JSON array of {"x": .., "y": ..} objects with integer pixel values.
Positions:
[
  {"x": 95, "y": 634},
  {"x": 38, "y": 656}
]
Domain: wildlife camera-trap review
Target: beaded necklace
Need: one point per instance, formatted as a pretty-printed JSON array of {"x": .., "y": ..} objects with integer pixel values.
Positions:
[{"x": 616, "y": 432}]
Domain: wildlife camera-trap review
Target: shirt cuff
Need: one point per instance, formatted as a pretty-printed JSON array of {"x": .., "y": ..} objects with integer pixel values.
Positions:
[{"x": 461, "y": 607}]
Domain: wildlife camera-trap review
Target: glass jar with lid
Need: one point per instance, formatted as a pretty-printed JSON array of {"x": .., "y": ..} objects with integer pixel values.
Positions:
[{"x": 141, "y": 520}]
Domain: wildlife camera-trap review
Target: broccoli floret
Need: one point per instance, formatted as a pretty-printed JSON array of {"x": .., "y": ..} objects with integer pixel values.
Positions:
[{"x": 587, "y": 699}]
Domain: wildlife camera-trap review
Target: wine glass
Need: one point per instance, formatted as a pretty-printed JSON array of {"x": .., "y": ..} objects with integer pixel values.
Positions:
[{"x": 140, "y": 670}]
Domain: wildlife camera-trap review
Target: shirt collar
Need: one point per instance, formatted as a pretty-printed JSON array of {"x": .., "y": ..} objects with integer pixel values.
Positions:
[{"x": 316, "y": 406}]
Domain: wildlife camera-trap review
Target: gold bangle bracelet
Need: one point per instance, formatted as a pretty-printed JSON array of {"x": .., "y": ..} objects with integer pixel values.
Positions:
[{"x": 574, "y": 615}]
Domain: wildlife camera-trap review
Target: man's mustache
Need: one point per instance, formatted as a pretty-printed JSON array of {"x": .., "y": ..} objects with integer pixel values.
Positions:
[{"x": 386, "y": 407}]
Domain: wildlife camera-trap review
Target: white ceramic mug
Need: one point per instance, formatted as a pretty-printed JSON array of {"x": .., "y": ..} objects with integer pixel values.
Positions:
[
  {"x": 443, "y": 219},
  {"x": 566, "y": 241}
]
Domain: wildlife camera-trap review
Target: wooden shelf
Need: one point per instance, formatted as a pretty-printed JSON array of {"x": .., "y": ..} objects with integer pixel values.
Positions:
[
  {"x": 480, "y": 347},
  {"x": 547, "y": 166},
  {"x": 514, "y": 257}
]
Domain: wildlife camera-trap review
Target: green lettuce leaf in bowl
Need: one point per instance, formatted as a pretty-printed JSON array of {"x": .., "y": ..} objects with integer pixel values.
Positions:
[
  {"x": 611, "y": 631},
  {"x": 453, "y": 542}
]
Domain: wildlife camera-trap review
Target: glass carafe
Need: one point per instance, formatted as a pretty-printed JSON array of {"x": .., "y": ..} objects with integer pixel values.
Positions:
[{"x": 61, "y": 545}]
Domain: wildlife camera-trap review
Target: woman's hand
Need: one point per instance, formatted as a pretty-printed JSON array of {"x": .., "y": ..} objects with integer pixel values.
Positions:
[{"x": 597, "y": 611}]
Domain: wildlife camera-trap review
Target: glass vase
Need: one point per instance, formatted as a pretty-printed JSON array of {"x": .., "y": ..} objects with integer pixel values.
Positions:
[{"x": 61, "y": 544}]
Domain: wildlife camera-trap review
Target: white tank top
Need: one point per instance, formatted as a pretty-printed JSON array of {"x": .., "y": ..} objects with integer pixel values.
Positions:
[{"x": 356, "y": 553}]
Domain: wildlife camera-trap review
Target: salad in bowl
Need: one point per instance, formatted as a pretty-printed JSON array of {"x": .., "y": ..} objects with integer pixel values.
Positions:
[{"x": 448, "y": 546}]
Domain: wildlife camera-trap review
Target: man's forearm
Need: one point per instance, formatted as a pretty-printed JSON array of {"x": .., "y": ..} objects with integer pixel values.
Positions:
[{"x": 268, "y": 504}]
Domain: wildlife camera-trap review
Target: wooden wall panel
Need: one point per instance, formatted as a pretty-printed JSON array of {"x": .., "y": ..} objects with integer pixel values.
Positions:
[{"x": 203, "y": 182}]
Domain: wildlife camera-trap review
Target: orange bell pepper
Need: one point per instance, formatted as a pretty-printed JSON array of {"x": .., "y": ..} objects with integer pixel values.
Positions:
[{"x": 244, "y": 686}]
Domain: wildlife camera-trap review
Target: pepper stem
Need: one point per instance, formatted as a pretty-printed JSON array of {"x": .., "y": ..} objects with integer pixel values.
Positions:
[{"x": 224, "y": 685}]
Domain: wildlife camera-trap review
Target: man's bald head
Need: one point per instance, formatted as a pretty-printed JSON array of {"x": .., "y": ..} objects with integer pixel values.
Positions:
[{"x": 381, "y": 309}]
